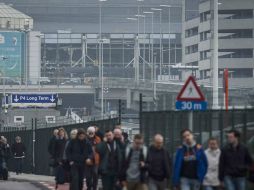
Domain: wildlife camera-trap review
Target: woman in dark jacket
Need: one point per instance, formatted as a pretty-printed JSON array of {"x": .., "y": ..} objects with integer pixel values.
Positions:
[{"x": 59, "y": 147}]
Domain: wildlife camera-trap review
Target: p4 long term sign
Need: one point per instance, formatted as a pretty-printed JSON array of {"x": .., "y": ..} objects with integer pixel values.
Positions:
[{"x": 33, "y": 100}]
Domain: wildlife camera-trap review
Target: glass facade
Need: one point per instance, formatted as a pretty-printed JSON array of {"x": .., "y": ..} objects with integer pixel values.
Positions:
[{"x": 61, "y": 52}]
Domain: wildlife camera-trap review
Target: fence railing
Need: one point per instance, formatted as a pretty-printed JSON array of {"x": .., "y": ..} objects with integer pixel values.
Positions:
[
  {"x": 205, "y": 125},
  {"x": 36, "y": 142}
]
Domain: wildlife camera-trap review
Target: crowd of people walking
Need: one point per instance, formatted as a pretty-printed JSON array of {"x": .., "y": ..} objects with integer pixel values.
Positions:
[{"x": 126, "y": 165}]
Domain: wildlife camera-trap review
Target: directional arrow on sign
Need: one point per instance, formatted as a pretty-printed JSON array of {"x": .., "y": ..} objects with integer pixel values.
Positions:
[
  {"x": 16, "y": 98},
  {"x": 52, "y": 99}
]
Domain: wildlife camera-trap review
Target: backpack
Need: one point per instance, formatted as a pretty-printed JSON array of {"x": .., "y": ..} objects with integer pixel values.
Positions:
[{"x": 128, "y": 150}]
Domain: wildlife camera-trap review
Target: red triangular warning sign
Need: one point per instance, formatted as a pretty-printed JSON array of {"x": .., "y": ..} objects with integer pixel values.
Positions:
[{"x": 190, "y": 91}]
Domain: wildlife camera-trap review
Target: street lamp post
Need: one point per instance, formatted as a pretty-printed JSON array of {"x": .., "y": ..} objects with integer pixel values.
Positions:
[
  {"x": 152, "y": 51},
  {"x": 4, "y": 77},
  {"x": 215, "y": 57},
  {"x": 160, "y": 10},
  {"x": 169, "y": 45},
  {"x": 101, "y": 59},
  {"x": 144, "y": 17}
]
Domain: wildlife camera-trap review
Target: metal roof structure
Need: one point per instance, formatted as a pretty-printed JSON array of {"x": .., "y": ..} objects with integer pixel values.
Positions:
[{"x": 13, "y": 19}]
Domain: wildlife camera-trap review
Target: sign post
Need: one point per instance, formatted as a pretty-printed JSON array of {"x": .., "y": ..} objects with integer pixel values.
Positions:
[{"x": 191, "y": 99}]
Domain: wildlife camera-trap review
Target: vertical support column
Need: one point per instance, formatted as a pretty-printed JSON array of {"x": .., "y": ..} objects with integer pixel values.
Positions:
[
  {"x": 215, "y": 56},
  {"x": 190, "y": 120},
  {"x": 136, "y": 59},
  {"x": 128, "y": 98},
  {"x": 140, "y": 112}
]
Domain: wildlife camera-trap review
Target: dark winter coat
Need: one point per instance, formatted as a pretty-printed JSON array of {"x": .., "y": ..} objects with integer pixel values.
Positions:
[
  {"x": 106, "y": 164},
  {"x": 158, "y": 164},
  {"x": 59, "y": 149},
  {"x": 51, "y": 146},
  {"x": 234, "y": 162},
  {"x": 79, "y": 151},
  {"x": 18, "y": 150}
]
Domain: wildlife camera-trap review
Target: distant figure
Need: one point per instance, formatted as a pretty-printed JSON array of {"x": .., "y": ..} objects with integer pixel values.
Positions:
[
  {"x": 18, "y": 151},
  {"x": 51, "y": 149},
  {"x": 235, "y": 160}
]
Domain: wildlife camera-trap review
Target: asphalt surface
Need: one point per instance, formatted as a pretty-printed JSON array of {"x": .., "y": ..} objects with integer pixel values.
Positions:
[{"x": 16, "y": 185}]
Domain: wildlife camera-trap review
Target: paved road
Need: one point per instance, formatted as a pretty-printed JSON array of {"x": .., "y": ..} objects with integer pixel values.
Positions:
[{"x": 14, "y": 185}]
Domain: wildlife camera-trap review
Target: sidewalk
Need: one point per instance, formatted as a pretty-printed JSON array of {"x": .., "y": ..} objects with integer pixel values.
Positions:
[
  {"x": 31, "y": 177},
  {"x": 47, "y": 181}
]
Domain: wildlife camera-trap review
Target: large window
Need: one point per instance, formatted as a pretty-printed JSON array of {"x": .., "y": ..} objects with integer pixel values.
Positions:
[
  {"x": 237, "y": 14},
  {"x": 205, "y": 35},
  {"x": 236, "y": 53},
  {"x": 205, "y": 54},
  {"x": 205, "y": 16},
  {"x": 191, "y": 49},
  {"x": 191, "y": 32},
  {"x": 235, "y": 33}
]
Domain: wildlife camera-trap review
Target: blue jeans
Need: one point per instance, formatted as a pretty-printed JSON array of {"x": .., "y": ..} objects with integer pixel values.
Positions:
[
  {"x": 188, "y": 184},
  {"x": 234, "y": 183}
]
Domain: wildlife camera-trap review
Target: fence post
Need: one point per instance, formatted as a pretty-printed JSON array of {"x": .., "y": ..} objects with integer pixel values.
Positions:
[
  {"x": 34, "y": 126},
  {"x": 221, "y": 127},
  {"x": 140, "y": 111},
  {"x": 245, "y": 125},
  {"x": 233, "y": 118},
  {"x": 119, "y": 111}
]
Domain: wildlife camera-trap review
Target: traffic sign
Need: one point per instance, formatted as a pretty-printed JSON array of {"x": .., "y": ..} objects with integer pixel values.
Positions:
[
  {"x": 44, "y": 100},
  {"x": 191, "y": 105},
  {"x": 190, "y": 91}
]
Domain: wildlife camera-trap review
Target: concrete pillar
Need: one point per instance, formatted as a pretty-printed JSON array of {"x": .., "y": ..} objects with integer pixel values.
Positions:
[{"x": 128, "y": 97}]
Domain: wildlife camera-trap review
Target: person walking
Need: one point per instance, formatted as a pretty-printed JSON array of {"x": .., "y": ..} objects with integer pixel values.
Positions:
[
  {"x": 18, "y": 151},
  {"x": 79, "y": 152},
  {"x": 158, "y": 164},
  {"x": 190, "y": 165},
  {"x": 51, "y": 150},
  {"x": 235, "y": 160},
  {"x": 133, "y": 173},
  {"x": 59, "y": 146},
  {"x": 211, "y": 181},
  {"x": 92, "y": 171},
  {"x": 5, "y": 154},
  {"x": 110, "y": 161}
]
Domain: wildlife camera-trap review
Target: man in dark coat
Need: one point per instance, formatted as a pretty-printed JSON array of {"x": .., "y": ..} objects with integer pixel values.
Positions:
[
  {"x": 158, "y": 164},
  {"x": 235, "y": 160},
  {"x": 18, "y": 150},
  {"x": 110, "y": 161},
  {"x": 79, "y": 152}
]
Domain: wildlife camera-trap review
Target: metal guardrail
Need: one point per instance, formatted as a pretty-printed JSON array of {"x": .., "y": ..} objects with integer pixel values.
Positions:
[
  {"x": 84, "y": 83},
  {"x": 40, "y": 123}
]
